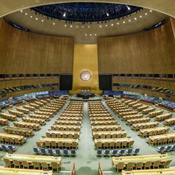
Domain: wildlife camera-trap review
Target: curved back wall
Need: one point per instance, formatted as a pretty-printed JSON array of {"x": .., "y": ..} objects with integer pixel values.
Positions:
[
  {"x": 150, "y": 52},
  {"x": 30, "y": 53}
]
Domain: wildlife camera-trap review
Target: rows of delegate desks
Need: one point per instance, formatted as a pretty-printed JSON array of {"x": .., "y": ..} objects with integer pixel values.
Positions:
[
  {"x": 65, "y": 132},
  {"x": 156, "y": 134},
  {"x": 133, "y": 113},
  {"x": 106, "y": 134},
  {"x": 15, "y": 134},
  {"x": 14, "y": 162}
]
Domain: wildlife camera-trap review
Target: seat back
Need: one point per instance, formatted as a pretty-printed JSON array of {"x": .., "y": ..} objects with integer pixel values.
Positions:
[{"x": 120, "y": 166}]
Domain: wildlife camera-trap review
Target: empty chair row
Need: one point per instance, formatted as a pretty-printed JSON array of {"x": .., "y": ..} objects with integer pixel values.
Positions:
[
  {"x": 56, "y": 152},
  {"x": 119, "y": 152}
]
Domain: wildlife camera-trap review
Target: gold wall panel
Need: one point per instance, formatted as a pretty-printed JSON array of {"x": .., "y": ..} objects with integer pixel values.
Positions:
[{"x": 85, "y": 58}]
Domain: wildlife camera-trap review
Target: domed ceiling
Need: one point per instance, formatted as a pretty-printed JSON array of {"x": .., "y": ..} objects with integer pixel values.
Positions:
[{"x": 86, "y": 21}]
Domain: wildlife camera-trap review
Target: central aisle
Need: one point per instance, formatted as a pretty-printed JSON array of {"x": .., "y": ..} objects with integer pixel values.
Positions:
[{"x": 86, "y": 159}]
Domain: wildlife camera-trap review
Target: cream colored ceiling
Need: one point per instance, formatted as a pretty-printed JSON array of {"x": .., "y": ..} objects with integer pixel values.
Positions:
[
  {"x": 163, "y": 6},
  {"x": 88, "y": 33}
]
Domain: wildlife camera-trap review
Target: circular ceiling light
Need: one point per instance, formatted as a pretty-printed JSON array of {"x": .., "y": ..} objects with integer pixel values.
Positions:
[
  {"x": 85, "y": 75},
  {"x": 86, "y": 11}
]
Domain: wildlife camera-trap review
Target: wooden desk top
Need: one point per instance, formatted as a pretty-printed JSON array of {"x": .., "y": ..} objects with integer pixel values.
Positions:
[
  {"x": 147, "y": 123},
  {"x": 106, "y": 126},
  {"x": 17, "y": 128},
  {"x": 109, "y": 132},
  {"x": 143, "y": 158},
  {"x": 26, "y": 123},
  {"x": 113, "y": 140},
  {"x": 154, "y": 129},
  {"x": 17, "y": 171},
  {"x": 62, "y": 132},
  {"x": 66, "y": 126},
  {"x": 65, "y": 140},
  {"x": 2, "y": 119},
  {"x": 162, "y": 136},
  {"x": 32, "y": 158},
  {"x": 169, "y": 171},
  {"x": 11, "y": 136}
]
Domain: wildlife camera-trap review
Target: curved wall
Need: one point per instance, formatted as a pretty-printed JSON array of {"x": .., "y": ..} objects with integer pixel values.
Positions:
[
  {"x": 29, "y": 53},
  {"x": 150, "y": 52}
]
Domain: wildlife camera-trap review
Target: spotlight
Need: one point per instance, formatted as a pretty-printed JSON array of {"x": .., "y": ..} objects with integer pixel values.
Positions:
[
  {"x": 71, "y": 26},
  {"x": 53, "y": 23},
  {"x": 36, "y": 19},
  {"x": 129, "y": 20},
  {"x": 106, "y": 25},
  {"x": 21, "y": 11},
  {"x": 112, "y": 24},
  {"x": 124, "y": 22},
  {"x": 140, "y": 16},
  {"x": 65, "y": 25},
  {"x": 25, "y": 13},
  {"x": 42, "y": 20},
  {"x": 146, "y": 13},
  {"x": 64, "y": 14},
  {"x": 118, "y": 23},
  {"x": 107, "y": 14},
  {"x": 88, "y": 26},
  {"x": 85, "y": 34},
  {"x": 31, "y": 16},
  {"x": 135, "y": 18},
  {"x": 129, "y": 8},
  {"x": 82, "y": 26},
  {"x": 151, "y": 11},
  {"x": 100, "y": 26},
  {"x": 95, "y": 34}
]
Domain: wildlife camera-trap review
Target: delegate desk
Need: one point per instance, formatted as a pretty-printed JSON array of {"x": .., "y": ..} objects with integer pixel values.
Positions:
[
  {"x": 129, "y": 117},
  {"x": 106, "y": 128},
  {"x": 33, "y": 126},
  {"x": 70, "y": 118},
  {"x": 137, "y": 120},
  {"x": 33, "y": 158},
  {"x": 170, "y": 121},
  {"x": 118, "y": 142},
  {"x": 169, "y": 171},
  {"x": 66, "y": 127},
  {"x": 95, "y": 123},
  {"x": 37, "y": 116},
  {"x": 139, "y": 126},
  {"x": 109, "y": 134},
  {"x": 65, "y": 141},
  {"x": 34, "y": 120},
  {"x": 153, "y": 131},
  {"x": 102, "y": 119},
  {"x": 63, "y": 134},
  {"x": 19, "y": 131},
  {"x": 68, "y": 122},
  {"x": 144, "y": 158},
  {"x": 10, "y": 138},
  {"x": 17, "y": 171},
  {"x": 3, "y": 121},
  {"x": 162, "y": 139}
]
